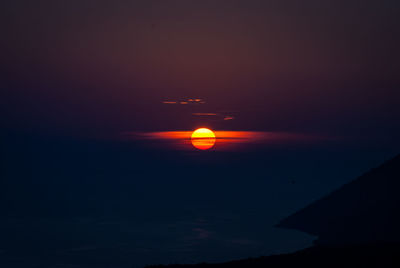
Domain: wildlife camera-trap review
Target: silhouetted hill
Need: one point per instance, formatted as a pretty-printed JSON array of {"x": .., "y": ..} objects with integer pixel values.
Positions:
[
  {"x": 357, "y": 225},
  {"x": 366, "y": 210},
  {"x": 378, "y": 255}
]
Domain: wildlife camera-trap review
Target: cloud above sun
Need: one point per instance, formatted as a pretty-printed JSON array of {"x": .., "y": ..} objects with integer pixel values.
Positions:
[
  {"x": 185, "y": 101},
  {"x": 204, "y": 113}
]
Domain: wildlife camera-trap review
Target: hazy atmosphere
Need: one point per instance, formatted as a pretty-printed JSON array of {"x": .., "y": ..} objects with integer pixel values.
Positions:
[{"x": 157, "y": 132}]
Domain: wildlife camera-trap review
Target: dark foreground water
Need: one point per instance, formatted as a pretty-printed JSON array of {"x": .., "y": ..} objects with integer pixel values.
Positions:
[{"x": 82, "y": 203}]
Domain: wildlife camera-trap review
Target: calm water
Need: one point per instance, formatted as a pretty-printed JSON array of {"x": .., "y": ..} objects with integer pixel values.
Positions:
[{"x": 70, "y": 203}]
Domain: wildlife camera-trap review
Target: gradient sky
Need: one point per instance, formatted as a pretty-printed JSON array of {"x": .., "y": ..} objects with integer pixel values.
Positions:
[{"x": 104, "y": 67}]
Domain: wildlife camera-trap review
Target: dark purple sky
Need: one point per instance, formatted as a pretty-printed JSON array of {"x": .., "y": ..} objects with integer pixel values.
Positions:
[{"x": 104, "y": 67}]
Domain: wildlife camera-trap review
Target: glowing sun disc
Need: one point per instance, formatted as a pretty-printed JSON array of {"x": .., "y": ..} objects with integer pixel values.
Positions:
[{"x": 203, "y": 138}]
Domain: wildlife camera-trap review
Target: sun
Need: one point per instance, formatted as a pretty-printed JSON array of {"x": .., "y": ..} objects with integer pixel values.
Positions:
[{"x": 203, "y": 138}]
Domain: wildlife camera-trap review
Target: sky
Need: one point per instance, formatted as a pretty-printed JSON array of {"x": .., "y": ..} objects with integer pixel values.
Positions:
[{"x": 99, "y": 68}]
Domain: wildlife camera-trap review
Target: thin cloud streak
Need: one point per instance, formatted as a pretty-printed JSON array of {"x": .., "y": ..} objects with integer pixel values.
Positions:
[
  {"x": 226, "y": 118},
  {"x": 185, "y": 101},
  {"x": 204, "y": 114}
]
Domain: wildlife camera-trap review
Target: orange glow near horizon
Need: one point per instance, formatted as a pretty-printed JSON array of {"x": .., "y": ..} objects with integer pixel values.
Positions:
[
  {"x": 203, "y": 138},
  {"x": 226, "y": 140}
]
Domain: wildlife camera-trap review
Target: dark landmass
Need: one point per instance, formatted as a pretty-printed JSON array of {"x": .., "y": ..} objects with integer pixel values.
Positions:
[
  {"x": 376, "y": 255},
  {"x": 357, "y": 225},
  {"x": 364, "y": 211}
]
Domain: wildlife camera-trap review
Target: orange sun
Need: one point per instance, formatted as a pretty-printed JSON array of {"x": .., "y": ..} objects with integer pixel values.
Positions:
[{"x": 203, "y": 138}]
